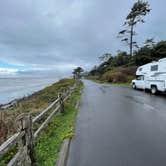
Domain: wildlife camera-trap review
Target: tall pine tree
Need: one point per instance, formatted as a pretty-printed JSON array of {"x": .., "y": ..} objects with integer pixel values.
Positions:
[{"x": 138, "y": 11}]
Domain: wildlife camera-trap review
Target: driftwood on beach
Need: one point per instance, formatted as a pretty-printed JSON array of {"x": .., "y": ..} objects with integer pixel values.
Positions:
[
  {"x": 8, "y": 105},
  {"x": 15, "y": 102}
]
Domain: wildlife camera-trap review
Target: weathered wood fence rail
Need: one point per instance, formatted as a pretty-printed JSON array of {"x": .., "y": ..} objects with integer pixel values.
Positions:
[{"x": 25, "y": 137}]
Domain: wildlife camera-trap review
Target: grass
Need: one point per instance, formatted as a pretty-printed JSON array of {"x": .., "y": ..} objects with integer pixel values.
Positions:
[
  {"x": 113, "y": 84},
  {"x": 49, "y": 142},
  {"x": 62, "y": 126},
  {"x": 121, "y": 84},
  {"x": 7, "y": 157}
]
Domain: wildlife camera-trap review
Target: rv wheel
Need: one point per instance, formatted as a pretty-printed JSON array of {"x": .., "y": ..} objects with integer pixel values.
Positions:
[
  {"x": 153, "y": 90},
  {"x": 134, "y": 86}
]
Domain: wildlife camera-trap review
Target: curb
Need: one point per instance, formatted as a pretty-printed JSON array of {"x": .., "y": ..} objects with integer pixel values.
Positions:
[{"x": 64, "y": 152}]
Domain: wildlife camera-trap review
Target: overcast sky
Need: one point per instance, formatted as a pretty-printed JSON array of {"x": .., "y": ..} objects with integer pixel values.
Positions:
[{"x": 54, "y": 36}]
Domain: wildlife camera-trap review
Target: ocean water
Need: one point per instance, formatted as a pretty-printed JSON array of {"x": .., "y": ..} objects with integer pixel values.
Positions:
[{"x": 14, "y": 88}]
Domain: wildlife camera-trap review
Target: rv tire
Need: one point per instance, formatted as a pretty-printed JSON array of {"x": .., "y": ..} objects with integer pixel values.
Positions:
[
  {"x": 153, "y": 90},
  {"x": 134, "y": 86}
]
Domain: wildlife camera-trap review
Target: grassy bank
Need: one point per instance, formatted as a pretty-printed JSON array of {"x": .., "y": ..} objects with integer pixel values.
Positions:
[
  {"x": 121, "y": 84},
  {"x": 49, "y": 142},
  {"x": 33, "y": 104},
  {"x": 62, "y": 126},
  {"x": 125, "y": 84}
]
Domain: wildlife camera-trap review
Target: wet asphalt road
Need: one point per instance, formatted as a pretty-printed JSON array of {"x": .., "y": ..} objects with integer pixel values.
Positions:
[{"x": 118, "y": 126}]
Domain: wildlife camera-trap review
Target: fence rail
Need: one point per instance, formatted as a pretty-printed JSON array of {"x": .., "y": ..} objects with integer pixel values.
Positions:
[{"x": 25, "y": 138}]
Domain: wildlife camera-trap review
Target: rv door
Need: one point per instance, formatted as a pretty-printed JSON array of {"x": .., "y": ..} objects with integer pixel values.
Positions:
[{"x": 140, "y": 83}]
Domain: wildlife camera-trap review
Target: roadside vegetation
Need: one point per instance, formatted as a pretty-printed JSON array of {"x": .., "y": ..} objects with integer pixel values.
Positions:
[
  {"x": 121, "y": 67},
  {"x": 61, "y": 126}
]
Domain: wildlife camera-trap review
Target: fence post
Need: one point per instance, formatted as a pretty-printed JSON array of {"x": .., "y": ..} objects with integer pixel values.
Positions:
[
  {"x": 61, "y": 103},
  {"x": 26, "y": 144}
]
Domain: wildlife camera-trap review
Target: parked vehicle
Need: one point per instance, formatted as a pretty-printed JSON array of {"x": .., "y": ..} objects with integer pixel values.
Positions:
[{"x": 151, "y": 76}]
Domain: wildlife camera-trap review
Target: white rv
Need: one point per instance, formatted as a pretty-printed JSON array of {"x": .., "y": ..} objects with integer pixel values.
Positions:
[{"x": 151, "y": 76}]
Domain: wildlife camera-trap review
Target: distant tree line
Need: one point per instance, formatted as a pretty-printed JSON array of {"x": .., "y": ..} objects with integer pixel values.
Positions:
[{"x": 151, "y": 51}]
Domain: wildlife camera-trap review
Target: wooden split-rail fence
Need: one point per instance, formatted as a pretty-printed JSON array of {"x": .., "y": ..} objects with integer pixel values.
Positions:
[{"x": 25, "y": 137}]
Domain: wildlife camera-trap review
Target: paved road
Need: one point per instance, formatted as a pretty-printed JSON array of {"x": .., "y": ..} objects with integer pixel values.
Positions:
[{"x": 118, "y": 126}]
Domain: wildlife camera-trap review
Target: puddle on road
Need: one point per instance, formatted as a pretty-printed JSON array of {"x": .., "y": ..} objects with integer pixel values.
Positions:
[
  {"x": 147, "y": 107},
  {"x": 103, "y": 88},
  {"x": 134, "y": 99}
]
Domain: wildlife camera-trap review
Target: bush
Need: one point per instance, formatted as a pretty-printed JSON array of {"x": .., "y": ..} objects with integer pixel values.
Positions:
[
  {"x": 3, "y": 131},
  {"x": 118, "y": 77},
  {"x": 128, "y": 71}
]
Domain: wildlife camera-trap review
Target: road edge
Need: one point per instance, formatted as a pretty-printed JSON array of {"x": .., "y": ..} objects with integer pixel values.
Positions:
[{"x": 64, "y": 152}]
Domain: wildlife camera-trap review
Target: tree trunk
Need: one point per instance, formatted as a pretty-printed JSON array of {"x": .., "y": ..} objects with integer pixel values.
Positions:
[{"x": 131, "y": 41}]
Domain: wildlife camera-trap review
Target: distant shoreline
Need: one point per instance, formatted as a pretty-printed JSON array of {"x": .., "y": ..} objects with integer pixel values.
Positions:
[
  {"x": 14, "y": 102},
  {"x": 15, "y": 91},
  {"x": 9, "y": 104}
]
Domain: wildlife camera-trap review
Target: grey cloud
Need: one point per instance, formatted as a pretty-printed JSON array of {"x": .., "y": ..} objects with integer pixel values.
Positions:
[{"x": 60, "y": 32}]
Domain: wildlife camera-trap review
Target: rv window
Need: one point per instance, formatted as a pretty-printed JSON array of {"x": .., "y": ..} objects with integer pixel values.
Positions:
[
  {"x": 140, "y": 69},
  {"x": 140, "y": 77},
  {"x": 154, "y": 68}
]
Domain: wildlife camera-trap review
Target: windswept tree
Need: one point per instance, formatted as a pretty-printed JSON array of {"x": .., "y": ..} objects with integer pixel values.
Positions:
[
  {"x": 159, "y": 50},
  {"x": 77, "y": 72},
  {"x": 135, "y": 16},
  {"x": 105, "y": 57},
  {"x": 149, "y": 42}
]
